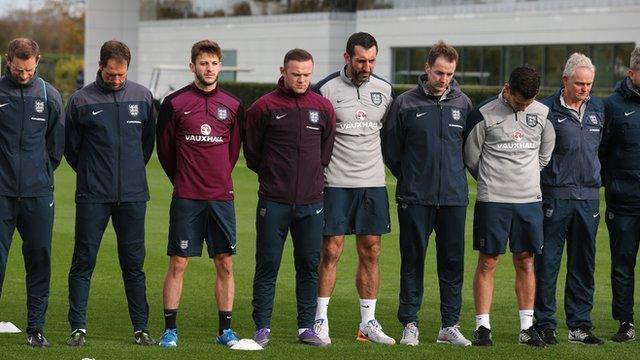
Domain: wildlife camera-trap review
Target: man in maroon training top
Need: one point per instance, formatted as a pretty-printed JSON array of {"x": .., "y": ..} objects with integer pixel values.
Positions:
[
  {"x": 288, "y": 142},
  {"x": 199, "y": 141}
]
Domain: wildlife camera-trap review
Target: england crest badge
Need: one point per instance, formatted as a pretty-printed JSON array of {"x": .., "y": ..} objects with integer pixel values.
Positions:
[
  {"x": 376, "y": 98},
  {"x": 314, "y": 116},
  {"x": 455, "y": 114},
  {"x": 223, "y": 113},
  {"x": 39, "y": 106},
  {"x": 134, "y": 110},
  {"x": 532, "y": 120},
  {"x": 593, "y": 119}
]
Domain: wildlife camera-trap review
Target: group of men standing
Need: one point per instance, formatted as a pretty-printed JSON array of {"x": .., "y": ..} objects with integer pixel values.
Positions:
[{"x": 320, "y": 154}]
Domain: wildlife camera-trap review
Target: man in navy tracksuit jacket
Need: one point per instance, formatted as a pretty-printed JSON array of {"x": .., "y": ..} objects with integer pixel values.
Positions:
[
  {"x": 31, "y": 147},
  {"x": 110, "y": 139},
  {"x": 288, "y": 141},
  {"x": 570, "y": 201},
  {"x": 423, "y": 144},
  {"x": 620, "y": 158}
]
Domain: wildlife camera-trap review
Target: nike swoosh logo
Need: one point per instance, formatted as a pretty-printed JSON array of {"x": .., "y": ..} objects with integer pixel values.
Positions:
[
  {"x": 561, "y": 120},
  {"x": 596, "y": 215},
  {"x": 365, "y": 306},
  {"x": 233, "y": 246},
  {"x": 339, "y": 101},
  {"x": 319, "y": 211},
  {"x": 418, "y": 115},
  {"x": 3, "y": 105},
  {"x": 628, "y": 113},
  {"x": 96, "y": 112},
  {"x": 278, "y": 117},
  {"x": 187, "y": 112},
  {"x": 51, "y": 204}
]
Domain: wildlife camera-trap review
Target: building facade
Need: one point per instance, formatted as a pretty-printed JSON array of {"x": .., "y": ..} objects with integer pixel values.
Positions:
[{"x": 492, "y": 36}]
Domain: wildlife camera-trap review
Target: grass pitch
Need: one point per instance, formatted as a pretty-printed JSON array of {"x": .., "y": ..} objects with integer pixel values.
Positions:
[{"x": 110, "y": 335}]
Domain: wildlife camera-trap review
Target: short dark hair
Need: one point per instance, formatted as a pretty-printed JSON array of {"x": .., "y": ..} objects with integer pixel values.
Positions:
[
  {"x": 22, "y": 48},
  {"x": 525, "y": 81},
  {"x": 207, "y": 47},
  {"x": 366, "y": 40},
  {"x": 297, "y": 55},
  {"x": 114, "y": 49},
  {"x": 442, "y": 49}
]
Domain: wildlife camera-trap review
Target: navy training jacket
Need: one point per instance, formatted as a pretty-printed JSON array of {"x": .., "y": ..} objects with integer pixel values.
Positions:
[
  {"x": 620, "y": 149},
  {"x": 574, "y": 169},
  {"x": 110, "y": 138},
  {"x": 31, "y": 136},
  {"x": 423, "y": 142}
]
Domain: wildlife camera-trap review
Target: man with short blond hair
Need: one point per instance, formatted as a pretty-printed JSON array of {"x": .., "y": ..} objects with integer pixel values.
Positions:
[
  {"x": 423, "y": 145},
  {"x": 289, "y": 135},
  {"x": 32, "y": 133},
  {"x": 570, "y": 202}
]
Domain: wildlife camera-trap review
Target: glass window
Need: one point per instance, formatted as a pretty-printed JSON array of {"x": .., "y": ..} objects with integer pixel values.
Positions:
[
  {"x": 471, "y": 71},
  {"x": 401, "y": 66},
  {"x": 491, "y": 65},
  {"x": 513, "y": 57},
  {"x": 602, "y": 58},
  {"x": 554, "y": 58},
  {"x": 533, "y": 56},
  {"x": 229, "y": 58}
]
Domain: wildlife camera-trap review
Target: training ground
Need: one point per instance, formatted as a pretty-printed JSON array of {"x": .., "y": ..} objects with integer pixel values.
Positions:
[{"x": 110, "y": 335}]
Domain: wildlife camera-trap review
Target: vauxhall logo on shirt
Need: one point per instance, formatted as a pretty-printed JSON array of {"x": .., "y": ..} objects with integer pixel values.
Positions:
[
  {"x": 204, "y": 136},
  {"x": 517, "y": 143}
]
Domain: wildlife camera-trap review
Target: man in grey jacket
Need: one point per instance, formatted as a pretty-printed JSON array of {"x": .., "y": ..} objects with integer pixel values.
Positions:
[
  {"x": 509, "y": 141},
  {"x": 355, "y": 194}
]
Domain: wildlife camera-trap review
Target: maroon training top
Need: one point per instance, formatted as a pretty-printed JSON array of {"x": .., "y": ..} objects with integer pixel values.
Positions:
[
  {"x": 288, "y": 142},
  {"x": 199, "y": 142}
]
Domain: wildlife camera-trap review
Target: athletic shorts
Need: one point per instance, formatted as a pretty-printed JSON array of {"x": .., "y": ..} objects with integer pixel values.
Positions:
[
  {"x": 192, "y": 221},
  {"x": 496, "y": 223},
  {"x": 360, "y": 211}
]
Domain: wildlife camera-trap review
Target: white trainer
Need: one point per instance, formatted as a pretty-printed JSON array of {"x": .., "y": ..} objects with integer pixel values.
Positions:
[
  {"x": 321, "y": 328},
  {"x": 452, "y": 335},
  {"x": 410, "y": 335},
  {"x": 373, "y": 332}
]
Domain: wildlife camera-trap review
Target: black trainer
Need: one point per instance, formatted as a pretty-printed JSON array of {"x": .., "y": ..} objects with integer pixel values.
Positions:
[
  {"x": 583, "y": 335},
  {"x": 77, "y": 338},
  {"x": 626, "y": 332},
  {"x": 530, "y": 337},
  {"x": 36, "y": 338},
  {"x": 549, "y": 336},
  {"x": 482, "y": 337},
  {"x": 143, "y": 338}
]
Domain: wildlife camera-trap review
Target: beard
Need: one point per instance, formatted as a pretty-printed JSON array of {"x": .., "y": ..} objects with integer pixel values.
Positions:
[{"x": 203, "y": 81}]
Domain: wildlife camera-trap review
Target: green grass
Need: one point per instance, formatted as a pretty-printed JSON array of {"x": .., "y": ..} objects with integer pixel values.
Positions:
[{"x": 109, "y": 328}]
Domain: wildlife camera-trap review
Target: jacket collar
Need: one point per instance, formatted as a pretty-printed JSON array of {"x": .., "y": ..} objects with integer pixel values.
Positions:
[
  {"x": 288, "y": 92},
  {"x": 15, "y": 83},
  {"x": 101, "y": 84}
]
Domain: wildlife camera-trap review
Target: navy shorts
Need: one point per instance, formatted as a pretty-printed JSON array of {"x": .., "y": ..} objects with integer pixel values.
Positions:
[
  {"x": 192, "y": 221},
  {"x": 360, "y": 211},
  {"x": 496, "y": 223}
]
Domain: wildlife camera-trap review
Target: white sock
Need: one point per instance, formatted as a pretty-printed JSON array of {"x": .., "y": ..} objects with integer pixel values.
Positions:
[
  {"x": 483, "y": 320},
  {"x": 321, "y": 309},
  {"x": 526, "y": 319},
  {"x": 367, "y": 310}
]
